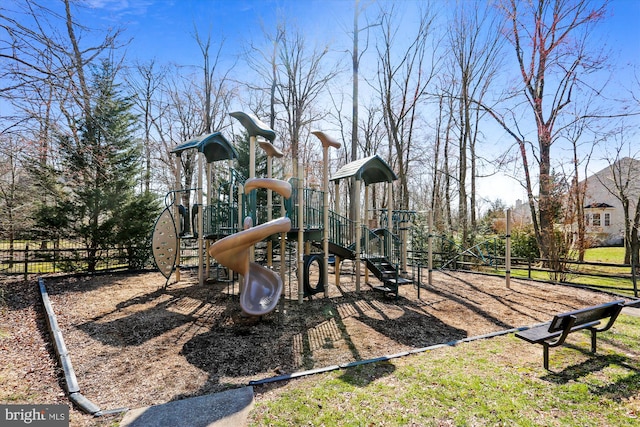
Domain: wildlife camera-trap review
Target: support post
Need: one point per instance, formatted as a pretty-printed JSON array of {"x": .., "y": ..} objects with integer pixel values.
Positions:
[
  {"x": 283, "y": 246},
  {"x": 176, "y": 213},
  {"x": 252, "y": 194},
  {"x": 366, "y": 237},
  {"x": 356, "y": 194},
  {"x": 240, "y": 228},
  {"x": 269, "y": 213},
  {"x": 210, "y": 184},
  {"x": 300, "y": 235},
  {"x": 200, "y": 222},
  {"x": 390, "y": 218},
  {"x": 507, "y": 256},
  {"x": 430, "y": 250},
  {"x": 26, "y": 263}
]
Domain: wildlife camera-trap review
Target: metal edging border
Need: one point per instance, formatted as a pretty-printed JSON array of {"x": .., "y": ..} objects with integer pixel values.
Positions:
[
  {"x": 70, "y": 379},
  {"x": 385, "y": 358}
]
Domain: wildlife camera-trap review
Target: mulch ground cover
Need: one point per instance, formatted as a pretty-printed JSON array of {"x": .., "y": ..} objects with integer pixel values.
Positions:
[{"x": 134, "y": 342}]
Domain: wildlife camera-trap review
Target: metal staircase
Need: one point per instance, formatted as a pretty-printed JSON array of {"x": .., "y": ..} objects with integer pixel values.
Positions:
[{"x": 380, "y": 249}]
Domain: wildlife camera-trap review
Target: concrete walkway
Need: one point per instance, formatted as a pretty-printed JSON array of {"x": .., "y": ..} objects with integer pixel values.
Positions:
[{"x": 225, "y": 409}]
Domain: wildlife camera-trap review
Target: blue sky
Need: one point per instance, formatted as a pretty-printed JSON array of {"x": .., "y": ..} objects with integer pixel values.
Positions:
[{"x": 164, "y": 30}]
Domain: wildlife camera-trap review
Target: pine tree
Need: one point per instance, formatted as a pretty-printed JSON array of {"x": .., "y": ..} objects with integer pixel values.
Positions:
[{"x": 100, "y": 166}]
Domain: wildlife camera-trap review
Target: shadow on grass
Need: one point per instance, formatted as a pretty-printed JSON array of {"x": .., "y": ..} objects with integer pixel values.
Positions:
[
  {"x": 363, "y": 375},
  {"x": 611, "y": 385}
]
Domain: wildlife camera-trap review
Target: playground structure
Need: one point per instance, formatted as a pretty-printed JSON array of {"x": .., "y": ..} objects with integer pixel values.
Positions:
[{"x": 226, "y": 222}]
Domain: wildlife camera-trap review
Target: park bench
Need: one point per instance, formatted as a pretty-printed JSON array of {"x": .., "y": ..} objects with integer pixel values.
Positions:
[{"x": 554, "y": 333}]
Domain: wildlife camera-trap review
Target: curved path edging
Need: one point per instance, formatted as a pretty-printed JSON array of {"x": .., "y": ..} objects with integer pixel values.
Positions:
[
  {"x": 70, "y": 379},
  {"x": 387, "y": 357}
]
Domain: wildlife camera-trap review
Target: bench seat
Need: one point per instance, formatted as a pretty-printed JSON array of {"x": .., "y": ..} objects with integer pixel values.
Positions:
[
  {"x": 541, "y": 333},
  {"x": 555, "y": 332}
]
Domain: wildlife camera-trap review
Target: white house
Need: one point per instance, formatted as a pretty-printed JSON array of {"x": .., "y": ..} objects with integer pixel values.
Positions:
[{"x": 604, "y": 215}]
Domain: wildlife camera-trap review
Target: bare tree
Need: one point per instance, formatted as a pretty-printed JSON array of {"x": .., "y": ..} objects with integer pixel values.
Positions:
[
  {"x": 44, "y": 59},
  {"x": 550, "y": 42},
  {"x": 583, "y": 137},
  {"x": 14, "y": 190},
  {"x": 623, "y": 182},
  {"x": 475, "y": 44},
  {"x": 145, "y": 81},
  {"x": 441, "y": 174},
  {"x": 216, "y": 90},
  {"x": 41, "y": 54},
  {"x": 402, "y": 82},
  {"x": 302, "y": 78}
]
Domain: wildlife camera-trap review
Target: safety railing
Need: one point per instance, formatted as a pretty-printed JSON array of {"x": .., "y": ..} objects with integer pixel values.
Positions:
[
  {"x": 341, "y": 230},
  {"x": 313, "y": 205}
]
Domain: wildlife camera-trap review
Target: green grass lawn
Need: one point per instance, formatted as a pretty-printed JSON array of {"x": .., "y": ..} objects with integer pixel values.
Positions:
[
  {"x": 609, "y": 255},
  {"x": 622, "y": 284},
  {"x": 499, "y": 381}
]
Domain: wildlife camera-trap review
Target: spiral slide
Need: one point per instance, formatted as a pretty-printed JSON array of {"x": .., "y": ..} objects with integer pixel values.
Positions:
[{"x": 261, "y": 288}]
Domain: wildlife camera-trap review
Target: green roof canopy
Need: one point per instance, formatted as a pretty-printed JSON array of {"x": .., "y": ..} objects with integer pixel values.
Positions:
[
  {"x": 370, "y": 170},
  {"x": 214, "y": 146}
]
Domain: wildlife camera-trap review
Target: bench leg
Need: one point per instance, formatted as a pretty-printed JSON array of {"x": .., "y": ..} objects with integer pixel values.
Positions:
[
  {"x": 593, "y": 340},
  {"x": 545, "y": 356}
]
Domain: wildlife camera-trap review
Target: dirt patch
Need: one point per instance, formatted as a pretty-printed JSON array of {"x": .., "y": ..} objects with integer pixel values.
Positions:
[{"x": 134, "y": 343}]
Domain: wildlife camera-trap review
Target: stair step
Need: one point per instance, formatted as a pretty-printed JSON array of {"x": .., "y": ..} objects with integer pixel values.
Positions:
[
  {"x": 385, "y": 289},
  {"x": 399, "y": 281}
]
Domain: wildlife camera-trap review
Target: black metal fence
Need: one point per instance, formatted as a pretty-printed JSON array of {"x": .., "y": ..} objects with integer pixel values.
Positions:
[{"x": 25, "y": 257}]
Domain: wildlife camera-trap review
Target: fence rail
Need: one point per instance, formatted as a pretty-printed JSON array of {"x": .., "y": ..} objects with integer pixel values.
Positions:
[
  {"x": 37, "y": 257},
  {"x": 618, "y": 277}
]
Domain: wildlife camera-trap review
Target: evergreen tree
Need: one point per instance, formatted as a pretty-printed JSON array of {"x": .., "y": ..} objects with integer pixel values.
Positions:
[{"x": 99, "y": 169}]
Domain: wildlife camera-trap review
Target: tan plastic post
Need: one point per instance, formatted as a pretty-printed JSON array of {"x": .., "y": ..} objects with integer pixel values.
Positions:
[
  {"x": 269, "y": 214},
  {"x": 366, "y": 221},
  {"x": 508, "y": 251},
  {"x": 176, "y": 213},
  {"x": 208, "y": 242},
  {"x": 430, "y": 248},
  {"x": 271, "y": 153},
  {"x": 337, "y": 205},
  {"x": 200, "y": 221},
  {"x": 300, "y": 235},
  {"x": 327, "y": 142},
  {"x": 252, "y": 174},
  {"x": 389, "y": 214},
  {"x": 240, "y": 228},
  {"x": 325, "y": 219},
  {"x": 358, "y": 232}
]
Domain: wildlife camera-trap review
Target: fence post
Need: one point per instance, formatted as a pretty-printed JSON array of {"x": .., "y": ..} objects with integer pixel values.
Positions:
[
  {"x": 430, "y": 249},
  {"x": 633, "y": 278},
  {"x": 507, "y": 260},
  {"x": 419, "y": 278},
  {"x": 26, "y": 262},
  {"x": 529, "y": 267}
]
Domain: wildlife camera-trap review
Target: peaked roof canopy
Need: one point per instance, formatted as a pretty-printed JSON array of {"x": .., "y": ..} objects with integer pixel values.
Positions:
[
  {"x": 370, "y": 170},
  {"x": 214, "y": 146}
]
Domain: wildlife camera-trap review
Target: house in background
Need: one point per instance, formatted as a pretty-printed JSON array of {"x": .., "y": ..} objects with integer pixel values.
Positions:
[{"x": 604, "y": 215}]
